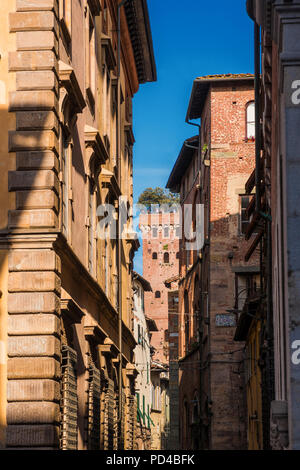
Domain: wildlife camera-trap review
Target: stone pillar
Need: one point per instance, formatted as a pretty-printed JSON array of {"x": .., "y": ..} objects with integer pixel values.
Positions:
[{"x": 33, "y": 392}]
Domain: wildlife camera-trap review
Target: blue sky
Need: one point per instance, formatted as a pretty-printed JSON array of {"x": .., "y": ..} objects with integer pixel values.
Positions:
[{"x": 190, "y": 39}]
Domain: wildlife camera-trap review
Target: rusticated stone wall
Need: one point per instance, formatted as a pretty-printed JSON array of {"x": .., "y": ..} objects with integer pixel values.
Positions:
[{"x": 33, "y": 390}]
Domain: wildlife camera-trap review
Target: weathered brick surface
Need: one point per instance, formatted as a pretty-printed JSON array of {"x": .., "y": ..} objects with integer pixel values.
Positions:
[
  {"x": 20, "y": 346},
  {"x": 32, "y": 435},
  {"x": 33, "y": 390},
  {"x": 38, "y": 302},
  {"x": 33, "y": 413},
  {"x": 32, "y": 5},
  {"x": 35, "y": 368},
  {"x": 34, "y": 260},
  {"x": 156, "y": 271},
  {"x": 43, "y": 324}
]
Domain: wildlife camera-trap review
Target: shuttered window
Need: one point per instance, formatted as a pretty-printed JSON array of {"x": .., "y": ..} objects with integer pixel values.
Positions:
[
  {"x": 69, "y": 400},
  {"x": 94, "y": 410}
]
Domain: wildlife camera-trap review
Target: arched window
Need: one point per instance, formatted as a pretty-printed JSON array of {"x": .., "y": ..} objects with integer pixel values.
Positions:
[
  {"x": 157, "y": 294},
  {"x": 250, "y": 118},
  {"x": 166, "y": 258},
  {"x": 154, "y": 255}
]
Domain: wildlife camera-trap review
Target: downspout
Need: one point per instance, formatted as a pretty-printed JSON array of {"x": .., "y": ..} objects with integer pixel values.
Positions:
[{"x": 119, "y": 233}]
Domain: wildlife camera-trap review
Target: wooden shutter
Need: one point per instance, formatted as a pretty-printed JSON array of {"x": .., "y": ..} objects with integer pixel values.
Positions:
[
  {"x": 69, "y": 400},
  {"x": 94, "y": 392}
]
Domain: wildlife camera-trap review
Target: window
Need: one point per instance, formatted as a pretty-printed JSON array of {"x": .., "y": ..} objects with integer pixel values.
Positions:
[
  {"x": 244, "y": 221},
  {"x": 154, "y": 255},
  {"x": 250, "y": 117},
  {"x": 166, "y": 232},
  {"x": 177, "y": 255},
  {"x": 157, "y": 294},
  {"x": 178, "y": 232},
  {"x": 154, "y": 232},
  {"x": 166, "y": 258}
]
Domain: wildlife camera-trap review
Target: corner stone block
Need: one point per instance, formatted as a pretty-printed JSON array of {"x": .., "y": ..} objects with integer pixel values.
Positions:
[
  {"x": 37, "y": 161},
  {"x": 37, "y": 200},
  {"x": 34, "y": 120},
  {"x": 32, "y": 435},
  {"x": 32, "y": 100},
  {"x": 27, "y": 140},
  {"x": 35, "y": 218},
  {"x": 32, "y": 5},
  {"x": 43, "y": 179},
  {"x": 33, "y": 346},
  {"x": 32, "y": 21},
  {"x": 39, "y": 80},
  {"x": 33, "y": 390},
  {"x": 35, "y": 368},
  {"x": 34, "y": 260},
  {"x": 33, "y": 413},
  {"x": 32, "y": 60},
  {"x": 28, "y": 302},
  {"x": 36, "y": 324},
  {"x": 33, "y": 282},
  {"x": 37, "y": 41}
]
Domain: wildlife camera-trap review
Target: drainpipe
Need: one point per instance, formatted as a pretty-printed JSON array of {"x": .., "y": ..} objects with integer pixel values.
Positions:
[
  {"x": 257, "y": 115},
  {"x": 120, "y": 181}
]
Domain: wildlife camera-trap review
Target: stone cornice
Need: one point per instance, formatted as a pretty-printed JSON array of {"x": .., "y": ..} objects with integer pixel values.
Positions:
[
  {"x": 94, "y": 334},
  {"x": 109, "y": 180},
  {"x": 69, "y": 81}
]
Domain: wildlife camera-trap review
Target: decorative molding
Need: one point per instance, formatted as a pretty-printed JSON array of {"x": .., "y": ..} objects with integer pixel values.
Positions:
[
  {"x": 109, "y": 349},
  {"x": 69, "y": 81}
]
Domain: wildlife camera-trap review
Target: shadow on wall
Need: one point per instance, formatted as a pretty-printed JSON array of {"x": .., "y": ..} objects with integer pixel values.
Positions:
[{"x": 28, "y": 178}]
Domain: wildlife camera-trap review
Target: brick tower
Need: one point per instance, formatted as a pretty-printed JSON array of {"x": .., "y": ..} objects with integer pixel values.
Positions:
[{"x": 160, "y": 262}]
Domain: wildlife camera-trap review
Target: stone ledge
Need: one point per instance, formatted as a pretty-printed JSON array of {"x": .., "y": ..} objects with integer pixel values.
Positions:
[
  {"x": 33, "y": 5},
  {"x": 34, "y": 260}
]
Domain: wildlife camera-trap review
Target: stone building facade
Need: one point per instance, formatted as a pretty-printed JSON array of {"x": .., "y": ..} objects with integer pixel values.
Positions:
[
  {"x": 66, "y": 324},
  {"x": 276, "y": 210},
  {"x": 212, "y": 170}
]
